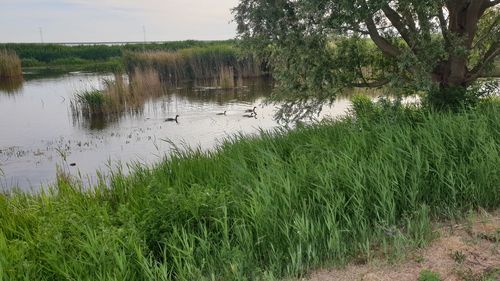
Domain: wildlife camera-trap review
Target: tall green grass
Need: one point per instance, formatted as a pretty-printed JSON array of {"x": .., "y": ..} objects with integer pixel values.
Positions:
[
  {"x": 201, "y": 63},
  {"x": 266, "y": 207},
  {"x": 10, "y": 66}
]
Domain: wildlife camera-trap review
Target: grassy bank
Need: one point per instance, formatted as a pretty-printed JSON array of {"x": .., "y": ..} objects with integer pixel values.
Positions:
[
  {"x": 219, "y": 63},
  {"x": 263, "y": 208},
  {"x": 10, "y": 66}
]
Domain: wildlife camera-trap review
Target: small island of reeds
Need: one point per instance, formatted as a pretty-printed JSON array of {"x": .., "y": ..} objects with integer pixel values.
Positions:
[
  {"x": 118, "y": 94},
  {"x": 10, "y": 66}
]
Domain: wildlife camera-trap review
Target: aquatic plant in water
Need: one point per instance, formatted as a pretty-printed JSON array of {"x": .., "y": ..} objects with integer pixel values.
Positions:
[
  {"x": 118, "y": 95},
  {"x": 10, "y": 66}
]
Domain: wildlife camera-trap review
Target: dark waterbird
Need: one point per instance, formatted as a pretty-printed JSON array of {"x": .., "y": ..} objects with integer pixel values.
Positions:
[
  {"x": 251, "y": 110},
  {"x": 172, "y": 119},
  {"x": 224, "y": 113},
  {"x": 251, "y": 115}
]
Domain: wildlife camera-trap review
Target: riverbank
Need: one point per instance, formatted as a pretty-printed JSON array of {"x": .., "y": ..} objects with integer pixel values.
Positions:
[{"x": 263, "y": 208}]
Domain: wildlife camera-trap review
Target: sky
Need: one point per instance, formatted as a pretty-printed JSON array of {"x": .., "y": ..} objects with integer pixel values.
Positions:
[{"x": 115, "y": 20}]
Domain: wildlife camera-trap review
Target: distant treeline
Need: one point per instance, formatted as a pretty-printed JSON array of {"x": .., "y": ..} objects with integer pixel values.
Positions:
[{"x": 33, "y": 55}]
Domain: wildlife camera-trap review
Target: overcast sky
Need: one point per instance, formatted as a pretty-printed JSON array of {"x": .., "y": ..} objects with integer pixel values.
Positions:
[{"x": 115, "y": 20}]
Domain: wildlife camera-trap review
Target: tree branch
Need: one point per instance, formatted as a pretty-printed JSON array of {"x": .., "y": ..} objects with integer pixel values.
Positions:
[
  {"x": 374, "y": 84},
  {"x": 489, "y": 56},
  {"x": 385, "y": 46},
  {"x": 409, "y": 20},
  {"x": 444, "y": 28},
  {"x": 397, "y": 22},
  {"x": 487, "y": 33},
  {"x": 474, "y": 12}
]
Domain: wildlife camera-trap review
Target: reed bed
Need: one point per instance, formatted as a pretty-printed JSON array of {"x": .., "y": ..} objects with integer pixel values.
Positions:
[
  {"x": 263, "y": 208},
  {"x": 118, "y": 95},
  {"x": 10, "y": 66},
  {"x": 226, "y": 79},
  {"x": 200, "y": 63}
]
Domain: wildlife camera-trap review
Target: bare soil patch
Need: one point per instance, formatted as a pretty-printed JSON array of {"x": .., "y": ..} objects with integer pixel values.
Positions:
[{"x": 467, "y": 251}]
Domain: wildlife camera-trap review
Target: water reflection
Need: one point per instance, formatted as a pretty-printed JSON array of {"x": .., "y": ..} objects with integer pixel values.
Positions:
[
  {"x": 95, "y": 122},
  {"x": 11, "y": 86},
  {"x": 39, "y": 130},
  {"x": 186, "y": 95}
]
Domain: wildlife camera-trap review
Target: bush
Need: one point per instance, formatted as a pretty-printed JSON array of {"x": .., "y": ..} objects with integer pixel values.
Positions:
[{"x": 30, "y": 62}]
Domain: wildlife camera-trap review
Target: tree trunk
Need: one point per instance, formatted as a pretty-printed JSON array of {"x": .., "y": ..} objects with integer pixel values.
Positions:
[{"x": 451, "y": 84}]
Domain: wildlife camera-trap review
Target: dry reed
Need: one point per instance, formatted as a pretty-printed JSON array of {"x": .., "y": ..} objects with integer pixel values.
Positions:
[
  {"x": 226, "y": 78},
  {"x": 10, "y": 66},
  {"x": 208, "y": 63}
]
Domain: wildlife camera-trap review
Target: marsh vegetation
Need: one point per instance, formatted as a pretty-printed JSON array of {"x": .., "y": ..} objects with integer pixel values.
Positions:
[
  {"x": 96, "y": 57},
  {"x": 221, "y": 63},
  {"x": 118, "y": 94}
]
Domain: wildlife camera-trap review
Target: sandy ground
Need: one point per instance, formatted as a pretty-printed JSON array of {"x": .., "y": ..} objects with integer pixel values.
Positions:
[{"x": 469, "y": 251}]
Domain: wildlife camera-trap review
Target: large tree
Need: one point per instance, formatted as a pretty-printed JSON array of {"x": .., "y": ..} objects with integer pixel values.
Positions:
[{"x": 317, "y": 48}]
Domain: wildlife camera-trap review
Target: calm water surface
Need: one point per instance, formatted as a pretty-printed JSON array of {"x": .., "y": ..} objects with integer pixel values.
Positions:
[{"x": 39, "y": 133}]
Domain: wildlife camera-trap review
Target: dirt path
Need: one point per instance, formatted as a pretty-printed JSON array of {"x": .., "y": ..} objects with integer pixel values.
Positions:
[{"x": 469, "y": 251}]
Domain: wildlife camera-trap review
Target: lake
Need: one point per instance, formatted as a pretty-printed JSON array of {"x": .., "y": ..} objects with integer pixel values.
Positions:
[{"x": 39, "y": 133}]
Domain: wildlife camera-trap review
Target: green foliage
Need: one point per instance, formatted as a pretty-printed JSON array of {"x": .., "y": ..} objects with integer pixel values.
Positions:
[
  {"x": 30, "y": 62},
  {"x": 319, "y": 48},
  {"x": 456, "y": 98},
  {"x": 495, "y": 72},
  {"x": 93, "y": 101},
  {"x": 262, "y": 208},
  {"x": 427, "y": 275},
  {"x": 364, "y": 108},
  {"x": 383, "y": 109}
]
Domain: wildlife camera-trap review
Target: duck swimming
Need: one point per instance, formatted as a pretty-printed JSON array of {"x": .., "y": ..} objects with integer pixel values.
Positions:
[
  {"x": 222, "y": 113},
  {"x": 251, "y": 115},
  {"x": 172, "y": 119},
  {"x": 251, "y": 110}
]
